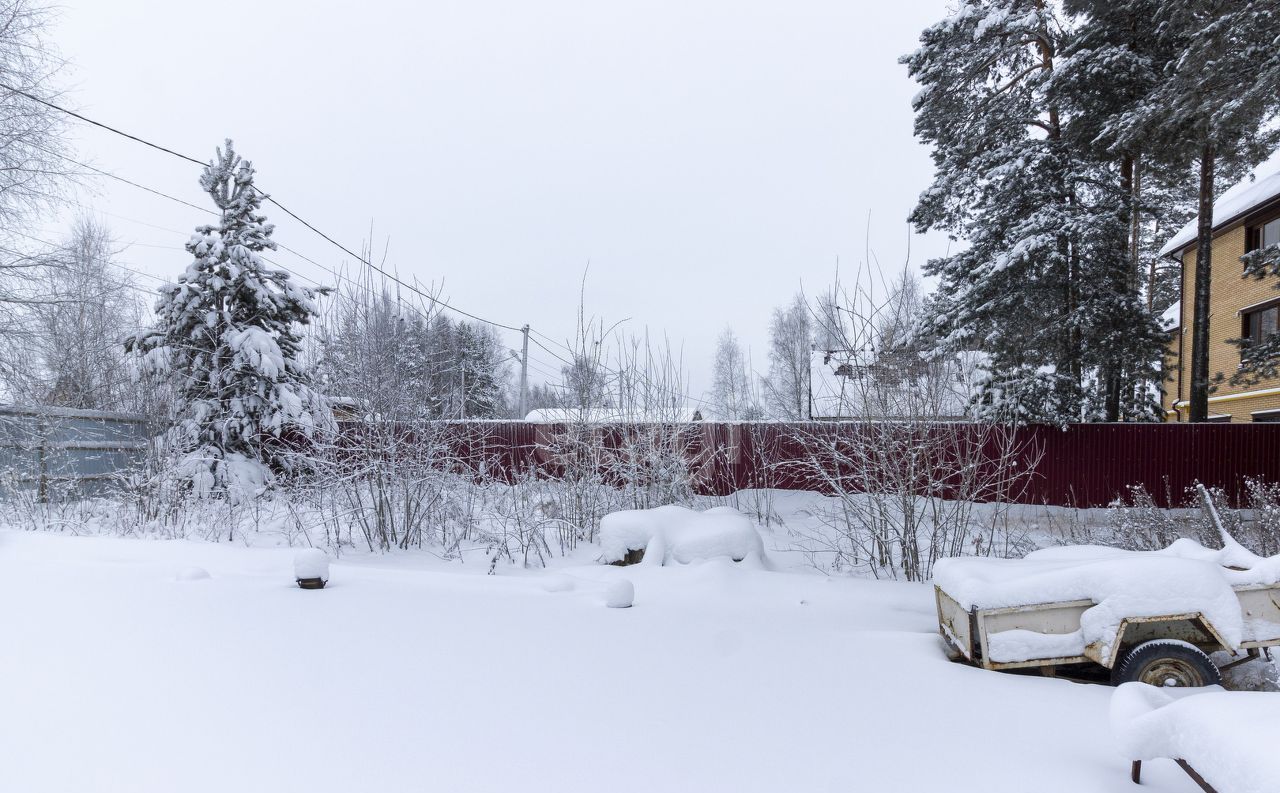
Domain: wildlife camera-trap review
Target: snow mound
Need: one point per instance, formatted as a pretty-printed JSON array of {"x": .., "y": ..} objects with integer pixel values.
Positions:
[
  {"x": 192, "y": 574},
  {"x": 676, "y": 534},
  {"x": 311, "y": 563},
  {"x": 558, "y": 583},
  {"x": 620, "y": 594},
  {"x": 1228, "y": 737},
  {"x": 1183, "y": 578}
]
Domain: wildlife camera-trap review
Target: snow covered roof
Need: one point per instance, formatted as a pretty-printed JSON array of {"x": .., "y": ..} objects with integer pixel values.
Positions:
[
  {"x": 1171, "y": 319},
  {"x": 611, "y": 416},
  {"x": 1260, "y": 186}
]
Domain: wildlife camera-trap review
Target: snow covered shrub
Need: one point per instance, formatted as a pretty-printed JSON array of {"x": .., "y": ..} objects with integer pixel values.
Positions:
[
  {"x": 909, "y": 475},
  {"x": 518, "y": 523},
  {"x": 227, "y": 342},
  {"x": 1135, "y": 523},
  {"x": 397, "y": 484},
  {"x": 1260, "y": 532},
  {"x": 910, "y": 493},
  {"x": 583, "y": 493}
]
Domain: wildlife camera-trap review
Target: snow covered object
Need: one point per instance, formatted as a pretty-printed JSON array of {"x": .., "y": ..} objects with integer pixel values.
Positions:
[
  {"x": 1150, "y": 614},
  {"x": 227, "y": 341},
  {"x": 674, "y": 534},
  {"x": 620, "y": 594},
  {"x": 1227, "y": 738},
  {"x": 311, "y": 568}
]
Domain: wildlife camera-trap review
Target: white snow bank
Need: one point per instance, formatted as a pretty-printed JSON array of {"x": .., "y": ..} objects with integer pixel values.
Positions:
[
  {"x": 311, "y": 563},
  {"x": 1183, "y": 578},
  {"x": 676, "y": 534},
  {"x": 1228, "y": 737},
  {"x": 192, "y": 574}
]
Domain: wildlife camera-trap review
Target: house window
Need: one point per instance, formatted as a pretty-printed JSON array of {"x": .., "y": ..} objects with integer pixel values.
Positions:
[
  {"x": 1268, "y": 416},
  {"x": 1263, "y": 234},
  {"x": 1257, "y": 325}
]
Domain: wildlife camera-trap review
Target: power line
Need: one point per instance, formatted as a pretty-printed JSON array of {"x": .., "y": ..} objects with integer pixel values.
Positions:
[
  {"x": 411, "y": 287},
  {"x": 74, "y": 114},
  {"x": 266, "y": 197}
]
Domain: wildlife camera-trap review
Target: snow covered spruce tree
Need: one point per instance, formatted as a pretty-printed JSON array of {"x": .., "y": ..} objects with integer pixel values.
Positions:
[
  {"x": 227, "y": 340},
  {"x": 1046, "y": 287}
]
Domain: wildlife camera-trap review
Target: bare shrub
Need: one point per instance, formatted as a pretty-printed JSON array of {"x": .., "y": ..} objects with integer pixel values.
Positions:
[{"x": 907, "y": 465}]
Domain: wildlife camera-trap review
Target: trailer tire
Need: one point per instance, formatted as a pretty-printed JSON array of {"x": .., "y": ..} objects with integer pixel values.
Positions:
[{"x": 1167, "y": 663}]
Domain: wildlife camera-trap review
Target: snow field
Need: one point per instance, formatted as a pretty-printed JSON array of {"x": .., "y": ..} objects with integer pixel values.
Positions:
[{"x": 408, "y": 674}]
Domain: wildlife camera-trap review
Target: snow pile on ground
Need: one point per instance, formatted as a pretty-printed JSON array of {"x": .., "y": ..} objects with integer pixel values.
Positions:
[
  {"x": 1180, "y": 579},
  {"x": 192, "y": 574},
  {"x": 620, "y": 594},
  {"x": 676, "y": 534},
  {"x": 1228, "y": 737}
]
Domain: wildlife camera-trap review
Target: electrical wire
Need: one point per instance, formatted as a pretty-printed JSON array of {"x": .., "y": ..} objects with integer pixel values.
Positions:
[
  {"x": 435, "y": 300},
  {"x": 267, "y": 197}
]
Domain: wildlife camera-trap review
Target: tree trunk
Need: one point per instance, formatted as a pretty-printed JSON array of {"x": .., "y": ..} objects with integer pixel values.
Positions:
[
  {"x": 1135, "y": 228},
  {"x": 1200, "y": 318},
  {"x": 1121, "y": 279}
]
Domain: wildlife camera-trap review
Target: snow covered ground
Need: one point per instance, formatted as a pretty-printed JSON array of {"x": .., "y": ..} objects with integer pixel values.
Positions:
[{"x": 123, "y": 671}]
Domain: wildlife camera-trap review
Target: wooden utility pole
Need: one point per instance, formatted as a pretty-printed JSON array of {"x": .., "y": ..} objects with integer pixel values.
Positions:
[{"x": 524, "y": 373}]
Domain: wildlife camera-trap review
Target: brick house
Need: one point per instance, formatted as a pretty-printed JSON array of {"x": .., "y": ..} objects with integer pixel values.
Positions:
[{"x": 1246, "y": 217}]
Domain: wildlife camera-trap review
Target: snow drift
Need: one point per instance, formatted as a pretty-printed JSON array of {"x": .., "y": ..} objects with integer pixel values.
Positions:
[
  {"x": 676, "y": 534},
  {"x": 1228, "y": 737}
]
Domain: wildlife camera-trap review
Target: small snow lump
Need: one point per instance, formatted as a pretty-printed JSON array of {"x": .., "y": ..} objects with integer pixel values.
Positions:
[{"x": 620, "y": 594}]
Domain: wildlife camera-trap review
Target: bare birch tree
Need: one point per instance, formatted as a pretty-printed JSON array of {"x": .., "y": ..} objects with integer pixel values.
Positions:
[{"x": 786, "y": 389}]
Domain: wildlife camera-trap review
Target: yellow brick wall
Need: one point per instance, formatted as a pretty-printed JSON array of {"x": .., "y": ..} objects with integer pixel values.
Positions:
[{"x": 1229, "y": 293}]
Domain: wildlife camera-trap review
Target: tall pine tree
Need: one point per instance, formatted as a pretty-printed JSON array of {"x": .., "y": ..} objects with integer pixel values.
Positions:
[
  {"x": 1211, "y": 107},
  {"x": 1003, "y": 184},
  {"x": 227, "y": 339}
]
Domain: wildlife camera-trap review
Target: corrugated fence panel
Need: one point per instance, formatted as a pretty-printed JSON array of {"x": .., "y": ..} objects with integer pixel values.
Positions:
[{"x": 1085, "y": 465}]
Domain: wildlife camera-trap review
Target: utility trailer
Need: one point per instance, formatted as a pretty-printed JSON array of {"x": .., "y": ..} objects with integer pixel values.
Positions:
[
  {"x": 1170, "y": 649},
  {"x": 1163, "y": 650}
]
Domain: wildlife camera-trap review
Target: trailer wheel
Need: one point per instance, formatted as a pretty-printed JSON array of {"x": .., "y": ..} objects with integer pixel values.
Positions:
[{"x": 1167, "y": 663}]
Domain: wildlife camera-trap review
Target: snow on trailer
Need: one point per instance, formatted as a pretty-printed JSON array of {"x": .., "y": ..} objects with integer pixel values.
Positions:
[{"x": 1150, "y": 616}]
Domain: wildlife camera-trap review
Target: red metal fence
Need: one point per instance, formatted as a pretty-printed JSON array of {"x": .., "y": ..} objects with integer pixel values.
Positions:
[{"x": 1084, "y": 465}]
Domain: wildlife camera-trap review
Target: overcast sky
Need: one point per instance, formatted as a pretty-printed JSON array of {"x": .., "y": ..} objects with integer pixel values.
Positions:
[{"x": 707, "y": 158}]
